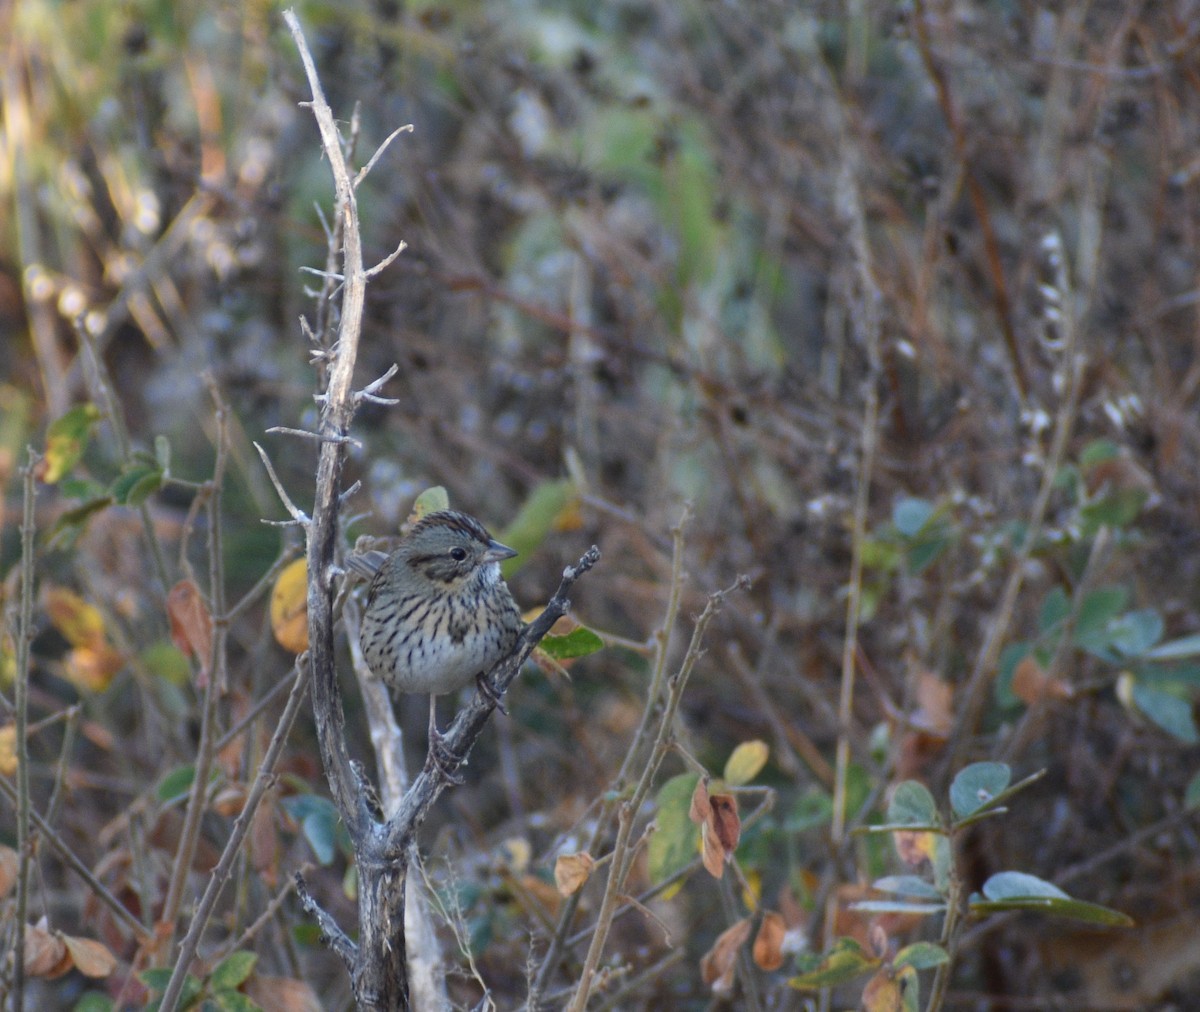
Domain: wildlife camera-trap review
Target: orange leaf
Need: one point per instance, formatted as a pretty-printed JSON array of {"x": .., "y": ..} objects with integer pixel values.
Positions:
[
  {"x": 768, "y": 943},
  {"x": 92, "y": 668},
  {"x": 572, "y": 870},
  {"x": 191, "y": 624},
  {"x": 1031, "y": 684},
  {"x": 289, "y": 607},
  {"x": 717, "y": 965}
]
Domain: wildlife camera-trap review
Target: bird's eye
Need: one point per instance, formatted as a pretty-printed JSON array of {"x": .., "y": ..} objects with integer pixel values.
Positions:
[{"x": 458, "y": 554}]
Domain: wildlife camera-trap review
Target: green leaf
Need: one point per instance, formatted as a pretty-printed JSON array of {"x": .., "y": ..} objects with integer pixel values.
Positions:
[
  {"x": 1055, "y": 608},
  {"x": 1098, "y": 609},
  {"x": 73, "y": 520},
  {"x": 175, "y": 784},
  {"x": 907, "y": 885},
  {"x": 1170, "y": 712},
  {"x": 1175, "y": 650},
  {"x": 976, "y": 786},
  {"x": 66, "y": 440},
  {"x": 156, "y": 979},
  {"x": 1191, "y": 795},
  {"x": 1098, "y": 451},
  {"x": 1008, "y": 884},
  {"x": 1016, "y": 890},
  {"x": 921, "y": 956},
  {"x": 899, "y": 907},
  {"x": 432, "y": 500},
  {"x": 845, "y": 961},
  {"x": 318, "y": 822},
  {"x": 162, "y": 453},
  {"x": 545, "y": 508},
  {"x": 234, "y": 1001},
  {"x": 1119, "y": 508},
  {"x": 94, "y": 1002},
  {"x": 135, "y": 486},
  {"x": 912, "y": 804},
  {"x": 577, "y": 643},
  {"x": 675, "y": 839},
  {"x": 233, "y": 970},
  {"x": 909, "y": 516},
  {"x": 1135, "y": 632},
  {"x": 746, "y": 762}
]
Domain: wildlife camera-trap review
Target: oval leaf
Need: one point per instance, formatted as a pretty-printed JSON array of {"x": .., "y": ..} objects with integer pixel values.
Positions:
[
  {"x": 578, "y": 643},
  {"x": 289, "y": 607},
  {"x": 746, "y": 762},
  {"x": 912, "y": 805},
  {"x": 976, "y": 786},
  {"x": 674, "y": 842}
]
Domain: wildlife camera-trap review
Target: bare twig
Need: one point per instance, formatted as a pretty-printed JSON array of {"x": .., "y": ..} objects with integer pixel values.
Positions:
[
  {"x": 297, "y": 514},
  {"x": 21, "y": 699},
  {"x": 366, "y": 169},
  {"x": 241, "y": 826}
]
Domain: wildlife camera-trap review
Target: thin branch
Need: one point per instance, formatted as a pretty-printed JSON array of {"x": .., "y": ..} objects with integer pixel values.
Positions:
[
  {"x": 365, "y": 170},
  {"x": 387, "y": 261},
  {"x": 241, "y": 826},
  {"x": 315, "y": 436},
  {"x": 21, "y": 743},
  {"x": 298, "y": 515},
  {"x": 76, "y": 864}
]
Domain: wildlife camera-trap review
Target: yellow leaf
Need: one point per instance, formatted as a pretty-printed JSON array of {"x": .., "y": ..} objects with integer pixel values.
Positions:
[
  {"x": 746, "y": 762},
  {"x": 8, "y": 750},
  {"x": 66, "y": 439},
  {"x": 289, "y": 607},
  {"x": 92, "y": 668},
  {"x": 80, "y": 623},
  {"x": 432, "y": 500},
  {"x": 572, "y": 870}
]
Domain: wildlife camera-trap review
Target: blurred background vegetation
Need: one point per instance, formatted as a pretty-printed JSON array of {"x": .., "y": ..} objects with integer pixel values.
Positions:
[{"x": 670, "y": 251}]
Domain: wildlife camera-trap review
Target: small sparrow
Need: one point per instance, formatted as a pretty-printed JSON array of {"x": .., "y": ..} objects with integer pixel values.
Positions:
[{"x": 438, "y": 613}]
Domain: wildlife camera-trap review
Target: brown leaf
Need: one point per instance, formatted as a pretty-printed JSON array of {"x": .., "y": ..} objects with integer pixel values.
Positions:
[
  {"x": 1031, "y": 684},
  {"x": 44, "y": 952},
  {"x": 700, "y": 808},
  {"x": 717, "y": 965},
  {"x": 191, "y": 624},
  {"x": 935, "y": 705},
  {"x": 712, "y": 854},
  {"x": 726, "y": 823},
  {"x": 572, "y": 870},
  {"x": 883, "y": 993},
  {"x": 9, "y": 866},
  {"x": 230, "y": 800},
  {"x": 914, "y": 847},
  {"x": 91, "y": 958},
  {"x": 768, "y": 943},
  {"x": 282, "y": 994}
]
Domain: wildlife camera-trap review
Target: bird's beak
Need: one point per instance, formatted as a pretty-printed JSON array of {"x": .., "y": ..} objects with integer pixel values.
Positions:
[{"x": 497, "y": 552}]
